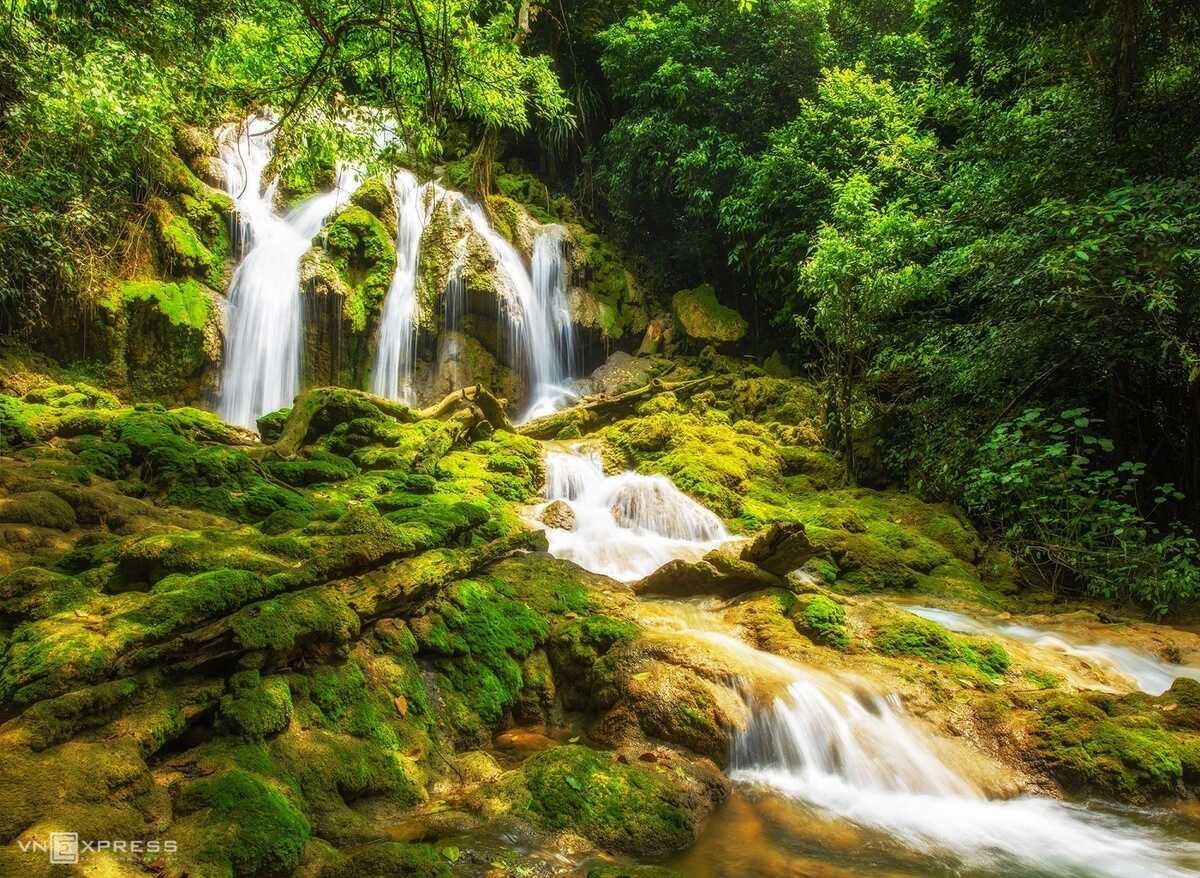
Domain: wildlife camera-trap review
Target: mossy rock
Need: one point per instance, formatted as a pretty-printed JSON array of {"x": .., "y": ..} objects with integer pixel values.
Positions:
[
  {"x": 621, "y": 807},
  {"x": 705, "y": 319},
  {"x": 928, "y": 640},
  {"x": 391, "y": 860},
  {"x": 1116, "y": 745},
  {"x": 822, "y": 619},
  {"x": 246, "y": 824}
]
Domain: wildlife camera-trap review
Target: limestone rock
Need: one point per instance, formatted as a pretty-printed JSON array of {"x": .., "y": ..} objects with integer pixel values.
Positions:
[
  {"x": 621, "y": 372},
  {"x": 704, "y": 318},
  {"x": 716, "y": 574},
  {"x": 558, "y": 514}
]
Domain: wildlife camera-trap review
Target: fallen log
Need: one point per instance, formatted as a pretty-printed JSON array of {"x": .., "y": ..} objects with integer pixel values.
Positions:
[{"x": 591, "y": 411}]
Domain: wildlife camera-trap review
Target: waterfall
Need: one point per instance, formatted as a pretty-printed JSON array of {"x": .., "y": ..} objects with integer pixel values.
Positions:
[
  {"x": 551, "y": 337},
  {"x": 394, "y": 361},
  {"x": 1151, "y": 675},
  {"x": 627, "y": 525},
  {"x": 261, "y": 364},
  {"x": 535, "y": 326},
  {"x": 532, "y": 316},
  {"x": 852, "y": 754}
]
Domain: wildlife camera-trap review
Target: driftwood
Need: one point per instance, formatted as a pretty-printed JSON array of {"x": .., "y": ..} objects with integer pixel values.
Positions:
[
  {"x": 593, "y": 410},
  {"x": 477, "y": 401}
]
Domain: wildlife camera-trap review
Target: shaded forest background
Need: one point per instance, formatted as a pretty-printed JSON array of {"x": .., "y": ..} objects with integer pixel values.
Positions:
[{"x": 976, "y": 221}]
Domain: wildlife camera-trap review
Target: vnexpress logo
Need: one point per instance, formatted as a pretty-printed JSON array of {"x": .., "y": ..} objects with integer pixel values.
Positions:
[{"x": 64, "y": 847}]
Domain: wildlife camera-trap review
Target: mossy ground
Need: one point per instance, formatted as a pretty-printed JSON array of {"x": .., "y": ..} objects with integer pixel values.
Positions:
[{"x": 261, "y": 649}]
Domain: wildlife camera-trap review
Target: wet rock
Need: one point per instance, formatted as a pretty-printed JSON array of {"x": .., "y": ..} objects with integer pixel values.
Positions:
[
  {"x": 558, "y": 514},
  {"x": 717, "y": 573},
  {"x": 780, "y": 549}
]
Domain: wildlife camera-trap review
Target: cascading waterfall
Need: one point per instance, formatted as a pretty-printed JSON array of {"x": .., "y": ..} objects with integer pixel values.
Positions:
[
  {"x": 397, "y": 353},
  {"x": 1151, "y": 675},
  {"x": 628, "y": 525},
  {"x": 261, "y": 367},
  {"x": 454, "y": 309},
  {"x": 834, "y": 744},
  {"x": 529, "y": 325},
  {"x": 535, "y": 323}
]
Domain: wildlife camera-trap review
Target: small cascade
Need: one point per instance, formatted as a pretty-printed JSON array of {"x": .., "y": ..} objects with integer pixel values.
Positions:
[
  {"x": 397, "y": 353},
  {"x": 261, "y": 366},
  {"x": 627, "y": 525},
  {"x": 454, "y": 312},
  {"x": 852, "y": 754},
  {"x": 1151, "y": 675}
]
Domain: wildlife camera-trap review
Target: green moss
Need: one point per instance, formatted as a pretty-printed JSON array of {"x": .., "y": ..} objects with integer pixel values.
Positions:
[
  {"x": 391, "y": 859},
  {"x": 622, "y": 807},
  {"x": 613, "y": 301},
  {"x": 1113, "y": 745},
  {"x": 184, "y": 303},
  {"x": 932, "y": 642},
  {"x": 270, "y": 425},
  {"x": 824, "y": 619},
  {"x": 374, "y": 196},
  {"x": 256, "y": 708},
  {"x": 364, "y": 255},
  {"x": 250, "y": 825},
  {"x": 480, "y": 636},
  {"x": 39, "y": 508},
  {"x": 317, "y": 467},
  {"x": 704, "y": 318}
]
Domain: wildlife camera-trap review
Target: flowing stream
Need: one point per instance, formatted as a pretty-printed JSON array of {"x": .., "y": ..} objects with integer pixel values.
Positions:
[
  {"x": 1151, "y": 675},
  {"x": 628, "y": 525},
  {"x": 831, "y": 751},
  {"x": 261, "y": 364}
]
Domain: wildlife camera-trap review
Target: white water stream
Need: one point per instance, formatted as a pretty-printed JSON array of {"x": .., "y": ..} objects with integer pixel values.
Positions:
[
  {"x": 628, "y": 525},
  {"x": 834, "y": 744},
  {"x": 261, "y": 364},
  {"x": 1150, "y": 674},
  {"x": 397, "y": 353}
]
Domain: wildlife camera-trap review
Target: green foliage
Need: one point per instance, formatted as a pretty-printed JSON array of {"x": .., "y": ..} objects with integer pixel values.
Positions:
[{"x": 1050, "y": 485}]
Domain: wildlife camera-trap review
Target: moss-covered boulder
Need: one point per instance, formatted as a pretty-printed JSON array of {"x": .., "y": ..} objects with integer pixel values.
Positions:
[
  {"x": 704, "y": 319},
  {"x": 1121, "y": 746},
  {"x": 165, "y": 338},
  {"x": 645, "y": 809}
]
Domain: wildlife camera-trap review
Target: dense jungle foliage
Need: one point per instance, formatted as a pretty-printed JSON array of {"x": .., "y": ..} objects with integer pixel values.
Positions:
[{"x": 977, "y": 222}]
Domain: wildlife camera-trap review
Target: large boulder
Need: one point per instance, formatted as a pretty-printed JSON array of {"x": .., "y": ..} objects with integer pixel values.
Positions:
[
  {"x": 622, "y": 371},
  {"x": 734, "y": 569},
  {"x": 705, "y": 319}
]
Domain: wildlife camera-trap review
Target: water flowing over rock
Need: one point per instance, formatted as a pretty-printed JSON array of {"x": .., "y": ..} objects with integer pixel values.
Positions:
[
  {"x": 843, "y": 749},
  {"x": 261, "y": 370},
  {"x": 1151, "y": 675},
  {"x": 625, "y": 525},
  {"x": 394, "y": 362},
  {"x": 487, "y": 291}
]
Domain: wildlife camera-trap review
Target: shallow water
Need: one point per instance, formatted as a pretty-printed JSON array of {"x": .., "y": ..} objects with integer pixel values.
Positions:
[{"x": 1150, "y": 674}]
